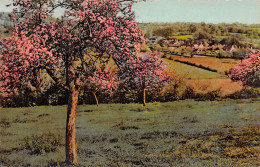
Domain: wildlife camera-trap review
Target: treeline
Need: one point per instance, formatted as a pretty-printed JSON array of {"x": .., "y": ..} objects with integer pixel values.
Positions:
[
  {"x": 57, "y": 96},
  {"x": 223, "y": 33},
  {"x": 177, "y": 89}
]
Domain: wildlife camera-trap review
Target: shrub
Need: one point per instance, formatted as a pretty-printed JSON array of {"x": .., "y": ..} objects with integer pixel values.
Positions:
[
  {"x": 26, "y": 98},
  {"x": 157, "y": 47},
  {"x": 45, "y": 143},
  {"x": 224, "y": 54},
  {"x": 246, "y": 93},
  {"x": 189, "y": 93},
  {"x": 211, "y": 95},
  {"x": 4, "y": 123},
  {"x": 145, "y": 48},
  {"x": 240, "y": 53},
  {"x": 175, "y": 89}
]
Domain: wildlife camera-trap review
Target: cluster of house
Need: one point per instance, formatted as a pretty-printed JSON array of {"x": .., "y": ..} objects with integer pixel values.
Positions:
[
  {"x": 176, "y": 43},
  {"x": 206, "y": 47}
]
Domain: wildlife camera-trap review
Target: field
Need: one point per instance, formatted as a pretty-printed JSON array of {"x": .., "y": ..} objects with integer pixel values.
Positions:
[
  {"x": 221, "y": 65},
  {"x": 203, "y": 81},
  {"x": 180, "y": 133},
  {"x": 182, "y": 37},
  {"x": 192, "y": 72}
]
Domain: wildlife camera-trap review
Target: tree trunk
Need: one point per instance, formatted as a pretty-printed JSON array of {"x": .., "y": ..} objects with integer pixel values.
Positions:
[
  {"x": 74, "y": 88},
  {"x": 94, "y": 94},
  {"x": 144, "y": 102},
  {"x": 71, "y": 151}
]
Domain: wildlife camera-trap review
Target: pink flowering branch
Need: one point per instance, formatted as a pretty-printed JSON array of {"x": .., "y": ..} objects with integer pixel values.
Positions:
[
  {"x": 248, "y": 71},
  {"x": 105, "y": 80}
]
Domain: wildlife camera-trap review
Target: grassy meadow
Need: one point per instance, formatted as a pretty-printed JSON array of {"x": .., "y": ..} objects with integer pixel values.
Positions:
[
  {"x": 191, "y": 72},
  {"x": 203, "y": 81},
  {"x": 221, "y": 65},
  {"x": 180, "y": 133}
]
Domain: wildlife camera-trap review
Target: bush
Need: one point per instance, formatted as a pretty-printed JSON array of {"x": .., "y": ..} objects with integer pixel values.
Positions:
[
  {"x": 212, "y": 95},
  {"x": 190, "y": 93},
  {"x": 224, "y": 54},
  {"x": 25, "y": 98},
  {"x": 4, "y": 123},
  {"x": 145, "y": 48},
  {"x": 175, "y": 90},
  {"x": 44, "y": 143},
  {"x": 239, "y": 54},
  {"x": 246, "y": 93},
  {"x": 157, "y": 47}
]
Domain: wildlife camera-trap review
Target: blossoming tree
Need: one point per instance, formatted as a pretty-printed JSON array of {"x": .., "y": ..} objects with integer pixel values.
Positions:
[
  {"x": 105, "y": 80},
  {"x": 248, "y": 71},
  {"x": 147, "y": 73},
  {"x": 40, "y": 42}
]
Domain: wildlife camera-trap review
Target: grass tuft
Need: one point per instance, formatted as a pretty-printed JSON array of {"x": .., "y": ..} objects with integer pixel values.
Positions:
[{"x": 45, "y": 143}]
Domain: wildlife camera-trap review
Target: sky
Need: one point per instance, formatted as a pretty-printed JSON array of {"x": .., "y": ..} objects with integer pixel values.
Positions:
[
  {"x": 209, "y": 11},
  {"x": 3, "y": 3}
]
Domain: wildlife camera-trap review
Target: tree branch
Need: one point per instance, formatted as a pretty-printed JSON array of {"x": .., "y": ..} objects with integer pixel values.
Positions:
[{"x": 53, "y": 76}]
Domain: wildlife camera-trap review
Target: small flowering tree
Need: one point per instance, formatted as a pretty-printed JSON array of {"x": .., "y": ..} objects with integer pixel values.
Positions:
[
  {"x": 248, "y": 71},
  {"x": 39, "y": 42},
  {"x": 148, "y": 73},
  {"x": 105, "y": 80}
]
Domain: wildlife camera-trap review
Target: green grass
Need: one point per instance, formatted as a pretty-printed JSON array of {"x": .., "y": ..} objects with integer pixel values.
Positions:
[
  {"x": 191, "y": 72},
  {"x": 182, "y": 37},
  {"x": 180, "y": 133}
]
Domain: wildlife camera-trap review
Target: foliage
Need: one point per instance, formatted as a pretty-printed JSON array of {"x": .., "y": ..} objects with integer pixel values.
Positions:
[
  {"x": 223, "y": 54},
  {"x": 245, "y": 93},
  {"x": 105, "y": 80},
  {"x": 55, "y": 45},
  {"x": 43, "y": 144},
  {"x": 164, "y": 32},
  {"x": 145, "y": 48},
  {"x": 148, "y": 73},
  {"x": 248, "y": 71},
  {"x": 240, "y": 53},
  {"x": 201, "y": 35},
  {"x": 230, "y": 41},
  {"x": 4, "y": 123},
  {"x": 175, "y": 89},
  {"x": 228, "y": 34}
]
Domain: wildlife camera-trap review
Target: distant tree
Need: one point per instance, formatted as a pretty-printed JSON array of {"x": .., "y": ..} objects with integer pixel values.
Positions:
[
  {"x": 248, "y": 71},
  {"x": 148, "y": 74},
  {"x": 198, "y": 35},
  {"x": 164, "y": 32},
  {"x": 230, "y": 41},
  {"x": 215, "y": 41},
  {"x": 193, "y": 28},
  {"x": 105, "y": 81},
  {"x": 203, "y": 24}
]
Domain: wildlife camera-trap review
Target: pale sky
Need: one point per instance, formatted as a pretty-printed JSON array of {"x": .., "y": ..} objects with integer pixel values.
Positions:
[
  {"x": 209, "y": 11},
  {"x": 3, "y": 3}
]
